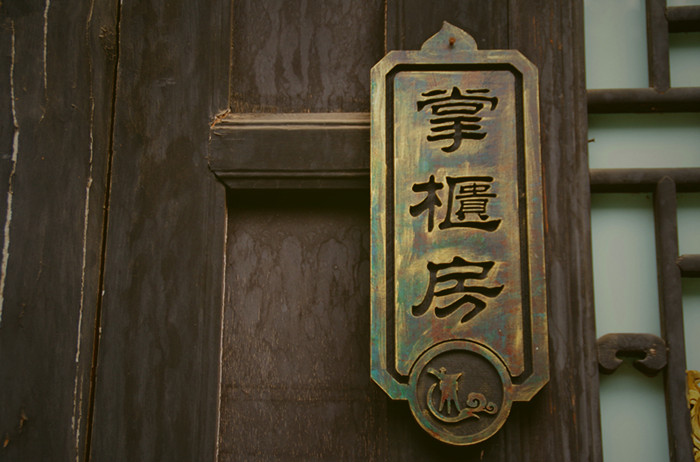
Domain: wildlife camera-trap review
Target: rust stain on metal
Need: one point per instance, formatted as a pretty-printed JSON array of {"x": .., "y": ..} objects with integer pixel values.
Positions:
[{"x": 459, "y": 318}]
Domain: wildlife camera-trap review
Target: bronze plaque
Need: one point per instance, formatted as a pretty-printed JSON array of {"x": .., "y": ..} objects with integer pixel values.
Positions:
[{"x": 459, "y": 316}]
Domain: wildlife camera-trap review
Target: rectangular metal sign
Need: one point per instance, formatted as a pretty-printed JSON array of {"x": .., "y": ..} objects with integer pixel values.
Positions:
[{"x": 459, "y": 317}]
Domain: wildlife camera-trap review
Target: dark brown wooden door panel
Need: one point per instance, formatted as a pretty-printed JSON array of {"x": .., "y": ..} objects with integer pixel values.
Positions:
[
  {"x": 296, "y": 326},
  {"x": 304, "y": 56},
  {"x": 167, "y": 296},
  {"x": 250, "y": 151}
]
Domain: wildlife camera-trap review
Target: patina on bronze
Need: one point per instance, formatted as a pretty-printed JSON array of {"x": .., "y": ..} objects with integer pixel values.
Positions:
[{"x": 459, "y": 316}]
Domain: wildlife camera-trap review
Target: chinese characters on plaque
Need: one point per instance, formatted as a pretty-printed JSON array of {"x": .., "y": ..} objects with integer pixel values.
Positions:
[
  {"x": 468, "y": 198},
  {"x": 459, "y": 325},
  {"x": 456, "y": 115}
]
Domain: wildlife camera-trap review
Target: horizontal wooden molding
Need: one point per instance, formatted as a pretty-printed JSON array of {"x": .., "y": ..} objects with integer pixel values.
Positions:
[
  {"x": 689, "y": 265},
  {"x": 642, "y": 100},
  {"x": 291, "y": 151},
  {"x": 622, "y": 180},
  {"x": 683, "y": 18}
]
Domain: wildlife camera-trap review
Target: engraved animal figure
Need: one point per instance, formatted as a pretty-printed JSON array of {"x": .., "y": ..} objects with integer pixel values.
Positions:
[{"x": 449, "y": 386}]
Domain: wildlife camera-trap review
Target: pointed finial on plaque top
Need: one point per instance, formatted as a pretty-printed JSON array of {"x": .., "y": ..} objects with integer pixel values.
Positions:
[{"x": 448, "y": 39}]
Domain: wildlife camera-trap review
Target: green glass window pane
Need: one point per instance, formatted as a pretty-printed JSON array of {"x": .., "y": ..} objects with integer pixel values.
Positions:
[
  {"x": 691, "y": 322},
  {"x": 689, "y": 243},
  {"x": 684, "y": 59},
  {"x": 689, "y": 224},
  {"x": 624, "y": 264},
  {"x": 644, "y": 140},
  {"x": 633, "y": 417},
  {"x": 616, "y": 49}
]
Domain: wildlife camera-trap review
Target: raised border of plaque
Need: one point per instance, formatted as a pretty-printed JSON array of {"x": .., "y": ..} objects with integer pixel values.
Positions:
[{"x": 458, "y": 293}]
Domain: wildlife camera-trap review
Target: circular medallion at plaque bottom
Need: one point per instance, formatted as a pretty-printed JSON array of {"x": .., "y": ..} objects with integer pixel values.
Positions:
[{"x": 460, "y": 392}]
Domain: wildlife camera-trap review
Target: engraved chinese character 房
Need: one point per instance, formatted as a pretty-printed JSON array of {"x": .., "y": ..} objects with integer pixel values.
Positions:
[
  {"x": 456, "y": 114},
  {"x": 458, "y": 271}
]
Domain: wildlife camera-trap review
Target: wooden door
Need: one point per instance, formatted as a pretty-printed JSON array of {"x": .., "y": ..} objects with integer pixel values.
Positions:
[{"x": 217, "y": 305}]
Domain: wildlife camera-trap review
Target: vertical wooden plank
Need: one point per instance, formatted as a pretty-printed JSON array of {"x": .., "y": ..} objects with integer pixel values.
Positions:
[
  {"x": 680, "y": 442},
  {"x": 412, "y": 22},
  {"x": 57, "y": 78},
  {"x": 156, "y": 395},
  {"x": 657, "y": 45},
  {"x": 566, "y": 423},
  {"x": 300, "y": 56}
]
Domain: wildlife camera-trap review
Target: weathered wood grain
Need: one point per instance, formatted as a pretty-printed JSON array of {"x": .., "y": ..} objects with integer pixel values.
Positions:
[
  {"x": 412, "y": 22},
  {"x": 156, "y": 395},
  {"x": 304, "y": 56},
  {"x": 657, "y": 45},
  {"x": 611, "y": 180},
  {"x": 562, "y": 422},
  {"x": 622, "y": 100},
  {"x": 295, "y": 347},
  {"x": 57, "y": 74},
  {"x": 678, "y": 422},
  {"x": 565, "y": 424}
]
